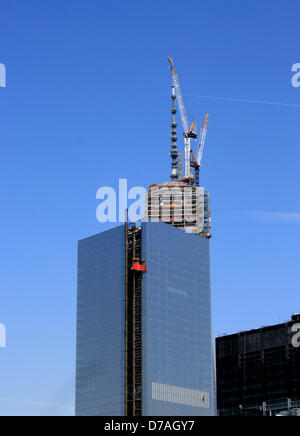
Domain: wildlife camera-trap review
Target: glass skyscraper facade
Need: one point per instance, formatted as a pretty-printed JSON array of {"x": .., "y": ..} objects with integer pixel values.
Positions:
[
  {"x": 101, "y": 324},
  {"x": 144, "y": 334}
]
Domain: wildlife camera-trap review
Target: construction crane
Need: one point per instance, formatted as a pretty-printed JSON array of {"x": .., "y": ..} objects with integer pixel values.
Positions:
[
  {"x": 196, "y": 161},
  {"x": 189, "y": 132}
]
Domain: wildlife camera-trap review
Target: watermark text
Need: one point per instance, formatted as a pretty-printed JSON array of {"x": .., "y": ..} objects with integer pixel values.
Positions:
[
  {"x": 296, "y": 76},
  {"x": 296, "y": 337},
  {"x": 2, "y": 336},
  {"x": 166, "y": 203},
  {"x": 107, "y": 209},
  {"x": 2, "y": 76}
]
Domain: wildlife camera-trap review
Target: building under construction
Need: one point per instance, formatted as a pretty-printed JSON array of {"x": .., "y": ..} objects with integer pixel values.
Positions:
[
  {"x": 144, "y": 329},
  {"x": 181, "y": 205},
  {"x": 181, "y": 202}
]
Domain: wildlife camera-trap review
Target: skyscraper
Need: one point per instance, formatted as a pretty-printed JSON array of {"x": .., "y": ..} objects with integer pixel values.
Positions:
[
  {"x": 144, "y": 340},
  {"x": 144, "y": 330}
]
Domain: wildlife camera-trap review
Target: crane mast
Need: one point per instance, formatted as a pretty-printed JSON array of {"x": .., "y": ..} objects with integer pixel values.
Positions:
[
  {"x": 196, "y": 161},
  {"x": 188, "y": 132},
  {"x": 202, "y": 140},
  {"x": 179, "y": 97}
]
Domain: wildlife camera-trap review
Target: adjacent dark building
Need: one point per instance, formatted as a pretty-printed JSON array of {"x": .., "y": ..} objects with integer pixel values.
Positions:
[{"x": 258, "y": 371}]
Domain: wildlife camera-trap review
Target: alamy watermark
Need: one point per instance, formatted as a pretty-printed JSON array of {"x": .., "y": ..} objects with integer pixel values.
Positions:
[
  {"x": 2, "y": 336},
  {"x": 296, "y": 337},
  {"x": 164, "y": 203},
  {"x": 2, "y": 76},
  {"x": 107, "y": 209},
  {"x": 296, "y": 76}
]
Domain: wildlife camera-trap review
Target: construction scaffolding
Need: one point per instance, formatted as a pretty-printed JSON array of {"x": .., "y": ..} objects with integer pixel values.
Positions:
[
  {"x": 134, "y": 268},
  {"x": 181, "y": 205}
]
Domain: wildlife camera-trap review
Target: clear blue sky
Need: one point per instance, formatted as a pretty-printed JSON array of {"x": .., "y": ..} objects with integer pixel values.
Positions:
[{"x": 87, "y": 102}]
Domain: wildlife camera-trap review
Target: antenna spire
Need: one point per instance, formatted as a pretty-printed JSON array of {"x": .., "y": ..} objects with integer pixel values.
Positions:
[{"x": 174, "y": 152}]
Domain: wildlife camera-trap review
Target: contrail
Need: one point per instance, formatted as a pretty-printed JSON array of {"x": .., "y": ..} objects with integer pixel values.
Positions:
[{"x": 241, "y": 100}]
